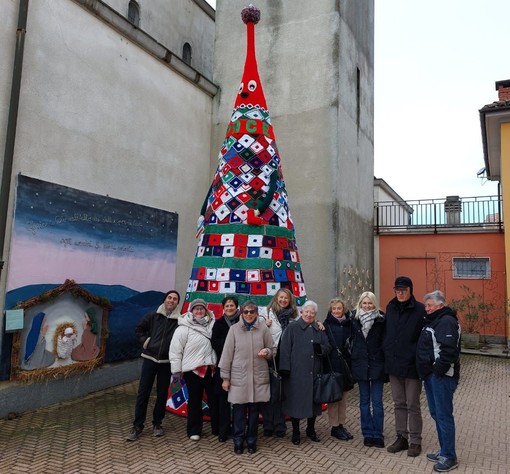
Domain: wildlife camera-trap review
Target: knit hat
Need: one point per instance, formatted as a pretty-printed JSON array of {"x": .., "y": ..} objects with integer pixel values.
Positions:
[
  {"x": 197, "y": 302},
  {"x": 403, "y": 282},
  {"x": 68, "y": 331}
]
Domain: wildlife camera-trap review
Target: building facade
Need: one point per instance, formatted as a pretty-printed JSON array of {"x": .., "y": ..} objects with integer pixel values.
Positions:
[{"x": 131, "y": 100}]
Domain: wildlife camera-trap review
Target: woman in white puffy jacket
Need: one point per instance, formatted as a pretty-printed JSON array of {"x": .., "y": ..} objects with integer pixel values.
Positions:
[{"x": 192, "y": 357}]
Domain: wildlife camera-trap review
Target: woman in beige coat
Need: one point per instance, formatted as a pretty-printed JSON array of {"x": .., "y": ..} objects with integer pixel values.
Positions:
[{"x": 245, "y": 374}]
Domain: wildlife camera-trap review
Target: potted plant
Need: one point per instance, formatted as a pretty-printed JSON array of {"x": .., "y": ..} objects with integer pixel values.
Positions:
[{"x": 473, "y": 313}]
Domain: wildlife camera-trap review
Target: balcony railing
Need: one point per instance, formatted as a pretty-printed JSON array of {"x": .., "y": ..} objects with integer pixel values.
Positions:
[{"x": 439, "y": 215}]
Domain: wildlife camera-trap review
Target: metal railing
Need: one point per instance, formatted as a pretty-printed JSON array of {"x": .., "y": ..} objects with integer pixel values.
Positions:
[{"x": 439, "y": 215}]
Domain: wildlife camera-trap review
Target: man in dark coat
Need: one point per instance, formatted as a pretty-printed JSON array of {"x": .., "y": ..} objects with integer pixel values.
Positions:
[
  {"x": 155, "y": 331},
  {"x": 404, "y": 321},
  {"x": 437, "y": 358}
]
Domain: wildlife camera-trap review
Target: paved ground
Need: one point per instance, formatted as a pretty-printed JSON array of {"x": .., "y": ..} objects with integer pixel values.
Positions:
[{"x": 88, "y": 436}]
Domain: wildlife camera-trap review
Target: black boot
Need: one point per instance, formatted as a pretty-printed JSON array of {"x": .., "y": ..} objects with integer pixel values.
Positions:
[
  {"x": 310, "y": 430},
  {"x": 296, "y": 437}
]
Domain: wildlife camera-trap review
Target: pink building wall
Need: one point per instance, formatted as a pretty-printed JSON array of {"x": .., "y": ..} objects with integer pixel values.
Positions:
[{"x": 427, "y": 260}]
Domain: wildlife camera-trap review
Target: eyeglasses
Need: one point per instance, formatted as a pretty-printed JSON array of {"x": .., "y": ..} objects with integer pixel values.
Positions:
[
  {"x": 401, "y": 290},
  {"x": 249, "y": 311}
]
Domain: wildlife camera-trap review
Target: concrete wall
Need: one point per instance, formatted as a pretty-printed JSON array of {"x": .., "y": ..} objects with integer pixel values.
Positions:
[
  {"x": 100, "y": 114},
  {"x": 173, "y": 23},
  {"x": 16, "y": 397},
  {"x": 308, "y": 54},
  {"x": 8, "y": 22},
  {"x": 136, "y": 131}
]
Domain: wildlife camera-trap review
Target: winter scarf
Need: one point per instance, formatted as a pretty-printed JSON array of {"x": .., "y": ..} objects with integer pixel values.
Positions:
[
  {"x": 367, "y": 318},
  {"x": 283, "y": 316}
]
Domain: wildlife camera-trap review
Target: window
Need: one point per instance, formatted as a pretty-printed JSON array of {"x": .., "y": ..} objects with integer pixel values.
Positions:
[
  {"x": 134, "y": 13},
  {"x": 474, "y": 268},
  {"x": 186, "y": 53}
]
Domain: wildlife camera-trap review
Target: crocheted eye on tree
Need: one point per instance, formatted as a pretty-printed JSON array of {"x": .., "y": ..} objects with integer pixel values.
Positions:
[{"x": 246, "y": 240}]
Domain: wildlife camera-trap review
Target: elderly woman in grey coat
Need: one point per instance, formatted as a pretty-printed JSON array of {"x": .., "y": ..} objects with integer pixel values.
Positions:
[
  {"x": 245, "y": 374},
  {"x": 301, "y": 348}
]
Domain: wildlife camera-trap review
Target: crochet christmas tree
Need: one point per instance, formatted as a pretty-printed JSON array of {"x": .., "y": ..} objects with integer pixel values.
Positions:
[{"x": 246, "y": 240}]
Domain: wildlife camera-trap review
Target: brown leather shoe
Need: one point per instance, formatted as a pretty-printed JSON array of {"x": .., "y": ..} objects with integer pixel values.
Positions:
[
  {"x": 400, "y": 444},
  {"x": 414, "y": 450}
]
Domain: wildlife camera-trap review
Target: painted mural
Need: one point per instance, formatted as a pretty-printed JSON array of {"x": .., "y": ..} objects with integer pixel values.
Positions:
[{"x": 116, "y": 250}]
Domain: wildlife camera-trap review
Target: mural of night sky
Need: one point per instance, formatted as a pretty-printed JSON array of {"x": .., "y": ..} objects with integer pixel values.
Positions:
[{"x": 60, "y": 233}]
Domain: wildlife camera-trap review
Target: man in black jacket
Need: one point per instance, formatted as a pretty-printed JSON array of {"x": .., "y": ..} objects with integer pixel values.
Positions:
[
  {"x": 155, "y": 331},
  {"x": 404, "y": 321},
  {"x": 437, "y": 358}
]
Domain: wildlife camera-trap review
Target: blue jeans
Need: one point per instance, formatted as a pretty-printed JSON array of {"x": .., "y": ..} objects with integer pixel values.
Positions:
[
  {"x": 439, "y": 391},
  {"x": 371, "y": 408}
]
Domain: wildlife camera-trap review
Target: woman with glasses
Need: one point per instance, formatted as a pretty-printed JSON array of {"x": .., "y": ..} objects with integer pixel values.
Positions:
[
  {"x": 193, "y": 358},
  {"x": 245, "y": 374}
]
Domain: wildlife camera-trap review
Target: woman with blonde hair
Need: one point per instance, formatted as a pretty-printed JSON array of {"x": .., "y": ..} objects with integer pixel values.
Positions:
[
  {"x": 280, "y": 312},
  {"x": 367, "y": 359}
]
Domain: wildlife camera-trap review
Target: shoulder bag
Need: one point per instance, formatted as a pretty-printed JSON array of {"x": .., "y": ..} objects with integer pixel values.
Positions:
[
  {"x": 348, "y": 379},
  {"x": 327, "y": 387},
  {"x": 275, "y": 382}
]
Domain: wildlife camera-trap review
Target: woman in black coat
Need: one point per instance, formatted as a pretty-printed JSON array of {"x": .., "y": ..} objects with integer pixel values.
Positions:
[
  {"x": 367, "y": 361},
  {"x": 301, "y": 348},
  {"x": 219, "y": 335},
  {"x": 338, "y": 326}
]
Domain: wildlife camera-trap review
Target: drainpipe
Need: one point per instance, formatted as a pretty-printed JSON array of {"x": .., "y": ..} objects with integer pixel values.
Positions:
[{"x": 12, "y": 121}]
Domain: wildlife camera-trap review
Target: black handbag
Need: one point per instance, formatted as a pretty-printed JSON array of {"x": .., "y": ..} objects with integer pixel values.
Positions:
[
  {"x": 348, "y": 380},
  {"x": 327, "y": 387},
  {"x": 275, "y": 383}
]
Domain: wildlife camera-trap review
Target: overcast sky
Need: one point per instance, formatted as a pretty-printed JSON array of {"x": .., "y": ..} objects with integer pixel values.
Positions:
[{"x": 436, "y": 63}]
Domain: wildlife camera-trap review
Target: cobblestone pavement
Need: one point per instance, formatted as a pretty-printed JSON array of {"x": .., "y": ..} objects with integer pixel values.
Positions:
[{"x": 88, "y": 436}]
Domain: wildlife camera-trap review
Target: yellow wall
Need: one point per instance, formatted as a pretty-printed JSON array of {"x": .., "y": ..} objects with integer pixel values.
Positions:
[{"x": 505, "y": 183}]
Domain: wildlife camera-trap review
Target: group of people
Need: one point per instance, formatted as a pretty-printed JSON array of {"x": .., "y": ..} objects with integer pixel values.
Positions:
[{"x": 409, "y": 345}]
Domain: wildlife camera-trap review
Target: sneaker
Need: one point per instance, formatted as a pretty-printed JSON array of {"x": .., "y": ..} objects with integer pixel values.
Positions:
[
  {"x": 346, "y": 432},
  {"x": 400, "y": 444},
  {"x": 414, "y": 450},
  {"x": 194, "y": 437},
  {"x": 434, "y": 457},
  {"x": 445, "y": 464},
  {"x": 134, "y": 434},
  {"x": 157, "y": 430},
  {"x": 340, "y": 433}
]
